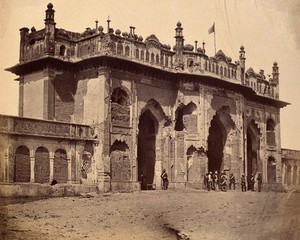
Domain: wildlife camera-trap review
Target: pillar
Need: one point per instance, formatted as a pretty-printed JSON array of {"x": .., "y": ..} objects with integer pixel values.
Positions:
[
  {"x": 32, "y": 162},
  {"x": 6, "y": 166},
  {"x": 51, "y": 166},
  {"x": 292, "y": 173},
  {"x": 283, "y": 173},
  {"x": 298, "y": 176},
  {"x": 69, "y": 170}
]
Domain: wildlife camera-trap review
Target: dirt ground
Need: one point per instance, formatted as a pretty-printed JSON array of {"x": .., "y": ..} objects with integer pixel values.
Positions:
[{"x": 184, "y": 214}]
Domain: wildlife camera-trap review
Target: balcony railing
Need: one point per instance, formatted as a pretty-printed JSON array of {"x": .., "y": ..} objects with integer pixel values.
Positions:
[{"x": 37, "y": 127}]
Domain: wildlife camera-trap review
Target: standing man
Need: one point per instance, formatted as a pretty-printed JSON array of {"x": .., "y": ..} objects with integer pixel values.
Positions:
[
  {"x": 164, "y": 177},
  {"x": 259, "y": 181},
  {"x": 243, "y": 183},
  {"x": 209, "y": 181},
  {"x": 252, "y": 182},
  {"x": 231, "y": 181},
  {"x": 142, "y": 180},
  {"x": 223, "y": 181},
  {"x": 216, "y": 180}
]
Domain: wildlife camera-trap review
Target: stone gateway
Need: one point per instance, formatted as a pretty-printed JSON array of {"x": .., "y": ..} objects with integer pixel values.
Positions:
[{"x": 101, "y": 108}]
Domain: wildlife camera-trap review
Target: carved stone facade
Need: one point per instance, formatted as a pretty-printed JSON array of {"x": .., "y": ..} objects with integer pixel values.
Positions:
[
  {"x": 290, "y": 168},
  {"x": 113, "y": 106}
]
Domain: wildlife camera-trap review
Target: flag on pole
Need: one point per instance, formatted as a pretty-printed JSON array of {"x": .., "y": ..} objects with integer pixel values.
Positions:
[{"x": 211, "y": 29}]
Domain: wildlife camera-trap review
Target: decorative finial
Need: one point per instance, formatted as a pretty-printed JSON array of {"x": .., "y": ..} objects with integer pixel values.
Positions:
[{"x": 50, "y": 6}]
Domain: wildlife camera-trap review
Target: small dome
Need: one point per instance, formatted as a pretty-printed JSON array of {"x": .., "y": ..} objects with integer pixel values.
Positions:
[
  {"x": 275, "y": 63},
  {"x": 140, "y": 38},
  {"x": 152, "y": 37},
  {"x": 229, "y": 59},
  {"x": 33, "y": 29},
  {"x": 101, "y": 29},
  {"x": 125, "y": 34},
  {"x": 179, "y": 24},
  {"x": 174, "y": 48},
  {"x": 118, "y": 32},
  {"x": 199, "y": 50},
  {"x": 242, "y": 47},
  {"x": 188, "y": 47},
  {"x": 168, "y": 47},
  {"x": 50, "y": 6}
]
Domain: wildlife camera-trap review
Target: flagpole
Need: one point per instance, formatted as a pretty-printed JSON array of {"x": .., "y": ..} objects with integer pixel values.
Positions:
[{"x": 215, "y": 37}]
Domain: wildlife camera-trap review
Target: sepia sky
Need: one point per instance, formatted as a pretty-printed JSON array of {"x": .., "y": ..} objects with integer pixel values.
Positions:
[{"x": 269, "y": 30}]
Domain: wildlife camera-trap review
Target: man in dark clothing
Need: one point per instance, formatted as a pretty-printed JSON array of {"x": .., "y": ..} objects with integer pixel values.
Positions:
[
  {"x": 223, "y": 179},
  {"x": 164, "y": 177},
  {"x": 209, "y": 181},
  {"x": 243, "y": 183},
  {"x": 259, "y": 181},
  {"x": 215, "y": 181},
  {"x": 206, "y": 181},
  {"x": 231, "y": 181},
  {"x": 252, "y": 182},
  {"x": 142, "y": 180}
]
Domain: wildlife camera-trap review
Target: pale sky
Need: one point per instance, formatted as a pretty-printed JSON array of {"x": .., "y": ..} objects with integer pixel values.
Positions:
[{"x": 269, "y": 30}]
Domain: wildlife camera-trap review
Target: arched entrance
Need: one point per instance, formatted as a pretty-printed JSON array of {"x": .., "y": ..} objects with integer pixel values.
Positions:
[
  {"x": 216, "y": 141},
  {"x": 148, "y": 127},
  {"x": 252, "y": 148}
]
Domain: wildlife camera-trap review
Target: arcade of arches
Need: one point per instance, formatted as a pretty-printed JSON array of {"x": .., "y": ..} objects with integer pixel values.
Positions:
[
  {"x": 42, "y": 166},
  {"x": 290, "y": 167}
]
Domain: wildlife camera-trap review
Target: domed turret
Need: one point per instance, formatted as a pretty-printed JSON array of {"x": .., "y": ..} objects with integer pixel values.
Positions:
[
  {"x": 188, "y": 47},
  {"x": 100, "y": 29},
  {"x": 140, "y": 38}
]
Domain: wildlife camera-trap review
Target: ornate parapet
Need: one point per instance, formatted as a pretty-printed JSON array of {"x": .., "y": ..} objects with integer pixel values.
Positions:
[{"x": 35, "y": 127}]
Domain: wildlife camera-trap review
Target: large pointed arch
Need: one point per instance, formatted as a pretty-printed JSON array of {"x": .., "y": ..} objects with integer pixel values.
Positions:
[
  {"x": 220, "y": 126},
  {"x": 155, "y": 108},
  {"x": 253, "y": 164},
  {"x": 151, "y": 118}
]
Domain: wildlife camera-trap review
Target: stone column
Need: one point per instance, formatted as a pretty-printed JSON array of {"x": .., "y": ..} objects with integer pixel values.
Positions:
[
  {"x": 283, "y": 174},
  {"x": 298, "y": 176},
  {"x": 6, "y": 166},
  {"x": 158, "y": 161},
  {"x": 69, "y": 170},
  {"x": 51, "y": 166},
  {"x": 32, "y": 161},
  {"x": 292, "y": 173}
]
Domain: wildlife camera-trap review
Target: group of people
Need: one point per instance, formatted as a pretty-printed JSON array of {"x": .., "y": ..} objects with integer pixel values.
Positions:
[
  {"x": 251, "y": 182},
  {"x": 164, "y": 177},
  {"x": 214, "y": 181}
]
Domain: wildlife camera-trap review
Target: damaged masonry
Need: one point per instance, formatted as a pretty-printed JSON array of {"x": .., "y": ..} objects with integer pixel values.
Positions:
[{"x": 97, "y": 109}]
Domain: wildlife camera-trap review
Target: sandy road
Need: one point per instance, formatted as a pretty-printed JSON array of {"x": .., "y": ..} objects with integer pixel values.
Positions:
[{"x": 156, "y": 215}]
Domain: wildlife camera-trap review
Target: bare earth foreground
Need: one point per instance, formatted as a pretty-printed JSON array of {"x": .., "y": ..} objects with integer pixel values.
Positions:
[{"x": 158, "y": 214}]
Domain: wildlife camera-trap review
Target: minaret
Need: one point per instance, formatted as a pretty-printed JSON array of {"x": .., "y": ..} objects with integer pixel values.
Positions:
[
  {"x": 179, "y": 45},
  {"x": 49, "y": 30},
  {"x": 23, "y": 35},
  {"x": 275, "y": 74},
  {"x": 242, "y": 63}
]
